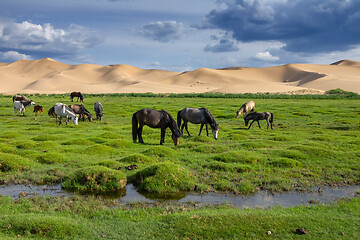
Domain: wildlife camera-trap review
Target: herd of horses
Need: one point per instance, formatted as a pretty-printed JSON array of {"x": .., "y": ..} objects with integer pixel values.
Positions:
[
  {"x": 149, "y": 117},
  {"x": 59, "y": 110}
]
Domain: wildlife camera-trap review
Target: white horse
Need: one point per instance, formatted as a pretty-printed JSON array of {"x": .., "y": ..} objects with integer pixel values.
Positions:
[
  {"x": 61, "y": 110},
  {"x": 19, "y": 106},
  {"x": 245, "y": 108}
]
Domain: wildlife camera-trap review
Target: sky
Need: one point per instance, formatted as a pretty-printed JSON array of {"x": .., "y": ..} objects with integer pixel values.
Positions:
[{"x": 181, "y": 35}]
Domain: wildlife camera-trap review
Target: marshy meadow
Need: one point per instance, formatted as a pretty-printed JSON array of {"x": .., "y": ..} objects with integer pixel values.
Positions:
[{"x": 315, "y": 142}]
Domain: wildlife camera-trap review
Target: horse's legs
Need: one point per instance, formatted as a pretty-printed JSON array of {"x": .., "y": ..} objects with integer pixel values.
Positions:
[
  {"x": 66, "y": 119},
  {"x": 207, "y": 129},
  {"x": 162, "y": 139},
  {"x": 186, "y": 127},
  {"x": 251, "y": 123},
  {"x": 258, "y": 123},
  {"x": 201, "y": 127},
  {"x": 140, "y": 134}
]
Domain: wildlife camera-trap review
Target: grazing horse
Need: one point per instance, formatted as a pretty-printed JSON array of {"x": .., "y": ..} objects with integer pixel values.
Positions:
[
  {"x": 19, "y": 98},
  {"x": 78, "y": 95},
  {"x": 19, "y": 106},
  {"x": 197, "y": 116},
  {"x": 81, "y": 110},
  {"x": 38, "y": 108},
  {"x": 255, "y": 116},
  {"x": 61, "y": 110},
  {"x": 154, "y": 119},
  {"x": 245, "y": 108},
  {"x": 99, "y": 110}
]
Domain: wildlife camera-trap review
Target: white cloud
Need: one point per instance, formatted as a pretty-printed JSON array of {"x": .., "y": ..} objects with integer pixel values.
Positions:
[
  {"x": 45, "y": 40},
  {"x": 266, "y": 56},
  {"x": 12, "y": 56}
]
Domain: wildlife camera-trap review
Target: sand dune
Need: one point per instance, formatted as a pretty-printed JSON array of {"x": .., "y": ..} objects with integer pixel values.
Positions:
[{"x": 49, "y": 76}]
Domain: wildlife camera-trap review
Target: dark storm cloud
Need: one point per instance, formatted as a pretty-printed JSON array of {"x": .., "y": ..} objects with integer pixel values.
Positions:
[
  {"x": 163, "y": 31},
  {"x": 305, "y": 26},
  {"x": 224, "y": 45}
]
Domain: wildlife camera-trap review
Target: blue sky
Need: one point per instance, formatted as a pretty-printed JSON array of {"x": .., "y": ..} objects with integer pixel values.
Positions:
[{"x": 181, "y": 35}]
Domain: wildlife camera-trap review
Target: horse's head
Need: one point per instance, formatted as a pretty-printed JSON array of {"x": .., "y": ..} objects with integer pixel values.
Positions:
[
  {"x": 90, "y": 117},
  {"x": 75, "y": 119},
  {"x": 176, "y": 133},
  {"x": 215, "y": 130},
  {"x": 238, "y": 113},
  {"x": 32, "y": 102},
  {"x": 246, "y": 119}
]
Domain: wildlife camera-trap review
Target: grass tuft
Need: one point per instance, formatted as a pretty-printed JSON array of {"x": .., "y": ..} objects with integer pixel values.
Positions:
[
  {"x": 95, "y": 179},
  {"x": 164, "y": 177}
]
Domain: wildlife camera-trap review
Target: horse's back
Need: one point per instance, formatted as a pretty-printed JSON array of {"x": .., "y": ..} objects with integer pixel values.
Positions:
[
  {"x": 250, "y": 105},
  {"x": 18, "y": 104},
  {"x": 98, "y": 107},
  {"x": 193, "y": 115},
  {"x": 149, "y": 117}
]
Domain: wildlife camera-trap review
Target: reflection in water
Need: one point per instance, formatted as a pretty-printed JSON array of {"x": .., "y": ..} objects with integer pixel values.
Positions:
[{"x": 261, "y": 199}]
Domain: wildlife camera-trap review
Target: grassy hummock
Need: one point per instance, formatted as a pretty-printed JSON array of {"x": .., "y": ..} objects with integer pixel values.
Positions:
[
  {"x": 165, "y": 177},
  {"x": 95, "y": 179}
]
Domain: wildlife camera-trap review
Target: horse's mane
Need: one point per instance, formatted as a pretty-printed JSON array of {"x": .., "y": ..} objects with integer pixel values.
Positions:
[
  {"x": 165, "y": 113},
  {"x": 209, "y": 117},
  {"x": 250, "y": 115}
]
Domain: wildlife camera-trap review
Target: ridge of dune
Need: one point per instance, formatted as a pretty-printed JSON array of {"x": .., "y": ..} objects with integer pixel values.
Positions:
[
  {"x": 49, "y": 76},
  {"x": 346, "y": 63}
]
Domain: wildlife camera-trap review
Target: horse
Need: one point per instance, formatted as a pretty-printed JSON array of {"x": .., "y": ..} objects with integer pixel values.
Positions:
[
  {"x": 245, "y": 108},
  {"x": 61, "y": 110},
  {"x": 255, "y": 116},
  {"x": 81, "y": 110},
  {"x": 154, "y": 119},
  {"x": 19, "y": 98},
  {"x": 78, "y": 95},
  {"x": 98, "y": 108},
  {"x": 19, "y": 106},
  {"x": 38, "y": 108},
  {"x": 197, "y": 116}
]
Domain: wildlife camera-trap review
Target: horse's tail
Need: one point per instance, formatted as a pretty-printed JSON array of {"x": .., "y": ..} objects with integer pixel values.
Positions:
[
  {"x": 271, "y": 117},
  {"x": 134, "y": 127},
  {"x": 51, "y": 112},
  {"x": 179, "y": 118}
]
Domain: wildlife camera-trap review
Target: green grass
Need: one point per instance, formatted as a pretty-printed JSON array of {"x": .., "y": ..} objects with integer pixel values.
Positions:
[
  {"x": 314, "y": 142},
  {"x": 94, "y": 218}
]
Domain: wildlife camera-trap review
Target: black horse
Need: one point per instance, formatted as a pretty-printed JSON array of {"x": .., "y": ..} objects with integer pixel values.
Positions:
[
  {"x": 255, "y": 116},
  {"x": 154, "y": 119},
  {"x": 99, "y": 110},
  {"x": 198, "y": 116},
  {"x": 78, "y": 95}
]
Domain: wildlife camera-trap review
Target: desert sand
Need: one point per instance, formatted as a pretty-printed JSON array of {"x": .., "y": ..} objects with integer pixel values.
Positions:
[{"x": 49, "y": 76}]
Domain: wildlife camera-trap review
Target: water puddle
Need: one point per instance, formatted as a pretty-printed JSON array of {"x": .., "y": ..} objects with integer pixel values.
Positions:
[{"x": 261, "y": 199}]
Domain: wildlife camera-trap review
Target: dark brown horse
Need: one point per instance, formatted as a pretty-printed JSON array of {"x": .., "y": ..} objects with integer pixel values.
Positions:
[
  {"x": 154, "y": 119},
  {"x": 255, "y": 116},
  {"x": 78, "y": 95},
  {"x": 38, "y": 108},
  {"x": 81, "y": 110}
]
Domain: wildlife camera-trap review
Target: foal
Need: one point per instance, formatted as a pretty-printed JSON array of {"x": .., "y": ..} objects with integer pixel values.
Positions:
[{"x": 255, "y": 116}]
